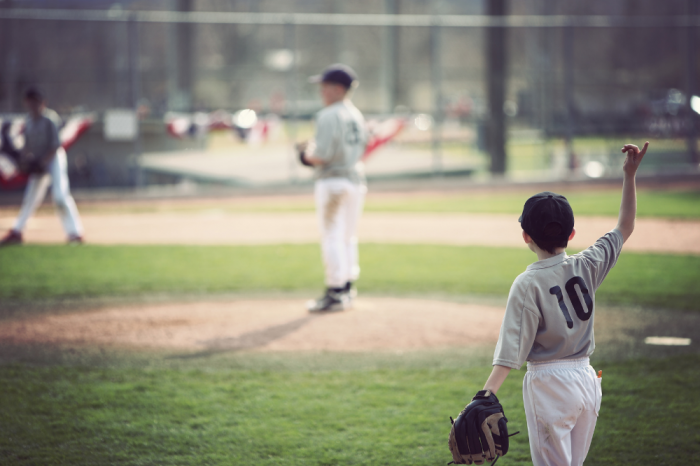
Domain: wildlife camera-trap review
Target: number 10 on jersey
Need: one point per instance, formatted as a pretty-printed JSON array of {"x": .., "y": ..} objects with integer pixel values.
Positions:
[{"x": 583, "y": 314}]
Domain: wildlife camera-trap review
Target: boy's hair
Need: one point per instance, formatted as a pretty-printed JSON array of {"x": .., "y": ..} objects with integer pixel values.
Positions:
[
  {"x": 33, "y": 93},
  {"x": 552, "y": 238}
]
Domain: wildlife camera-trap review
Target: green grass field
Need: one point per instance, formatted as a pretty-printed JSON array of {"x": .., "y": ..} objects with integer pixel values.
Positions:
[
  {"x": 33, "y": 273},
  {"x": 597, "y": 202},
  {"x": 671, "y": 204},
  {"x": 79, "y": 416}
]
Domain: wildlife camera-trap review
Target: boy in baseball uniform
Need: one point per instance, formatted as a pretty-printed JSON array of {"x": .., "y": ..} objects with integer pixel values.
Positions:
[
  {"x": 335, "y": 154},
  {"x": 549, "y": 323},
  {"x": 43, "y": 157}
]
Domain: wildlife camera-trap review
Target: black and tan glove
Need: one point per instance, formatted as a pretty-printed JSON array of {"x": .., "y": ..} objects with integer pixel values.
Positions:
[{"x": 480, "y": 432}]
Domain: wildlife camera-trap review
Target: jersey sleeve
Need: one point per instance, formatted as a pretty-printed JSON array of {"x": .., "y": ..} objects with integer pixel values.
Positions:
[
  {"x": 602, "y": 256},
  {"x": 518, "y": 330},
  {"x": 327, "y": 134}
]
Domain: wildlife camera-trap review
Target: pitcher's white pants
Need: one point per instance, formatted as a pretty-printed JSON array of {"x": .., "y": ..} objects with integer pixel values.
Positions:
[
  {"x": 562, "y": 401},
  {"x": 57, "y": 176},
  {"x": 339, "y": 204}
]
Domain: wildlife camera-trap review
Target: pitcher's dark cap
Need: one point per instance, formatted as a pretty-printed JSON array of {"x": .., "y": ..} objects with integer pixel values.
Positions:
[
  {"x": 338, "y": 74},
  {"x": 543, "y": 212},
  {"x": 33, "y": 93}
]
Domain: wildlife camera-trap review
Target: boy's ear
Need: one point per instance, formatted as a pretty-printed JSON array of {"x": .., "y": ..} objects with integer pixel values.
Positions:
[
  {"x": 573, "y": 233},
  {"x": 527, "y": 238}
]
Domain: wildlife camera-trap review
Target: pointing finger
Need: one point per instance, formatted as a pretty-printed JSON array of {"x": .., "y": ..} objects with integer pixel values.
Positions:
[{"x": 644, "y": 149}]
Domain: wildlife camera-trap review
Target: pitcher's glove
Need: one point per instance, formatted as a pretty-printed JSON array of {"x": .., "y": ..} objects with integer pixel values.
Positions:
[
  {"x": 480, "y": 432},
  {"x": 31, "y": 166},
  {"x": 302, "y": 148}
]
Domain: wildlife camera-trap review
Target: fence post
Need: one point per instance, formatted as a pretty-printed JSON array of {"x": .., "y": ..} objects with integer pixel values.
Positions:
[
  {"x": 690, "y": 79},
  {"x": 436, "y": 78},
  {"x": 389, "y": 68},
  {"x": 292, "y": 95},
  {"x": 569, "y": 94},
  {"x": 496, "y": 84},
  {"x": 135, "y": 78}
]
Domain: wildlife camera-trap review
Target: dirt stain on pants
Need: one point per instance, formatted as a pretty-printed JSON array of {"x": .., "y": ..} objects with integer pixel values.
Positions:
[{"x": 331, "y": 208}]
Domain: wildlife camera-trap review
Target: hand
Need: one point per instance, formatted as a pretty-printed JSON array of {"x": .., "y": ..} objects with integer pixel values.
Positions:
[{"x": 634, "y": 158}]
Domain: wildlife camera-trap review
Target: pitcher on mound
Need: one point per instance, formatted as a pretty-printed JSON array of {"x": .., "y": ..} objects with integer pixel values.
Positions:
[{"x": 340, "y": 188}]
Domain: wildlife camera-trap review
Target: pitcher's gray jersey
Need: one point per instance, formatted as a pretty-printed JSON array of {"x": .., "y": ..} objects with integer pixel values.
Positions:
[
  {"x": 550, "y": 308},
  {"x": 341, "y": 138},
  {"x": 41, "y": 135}
]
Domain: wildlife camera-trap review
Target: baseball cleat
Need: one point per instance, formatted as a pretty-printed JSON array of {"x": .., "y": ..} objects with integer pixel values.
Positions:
[
  {"x": 75, "y": 239},
  {"x": 350, "y": 292},
  {"x": 331, "y": 301},
  {"x": 11, "y": 238}
]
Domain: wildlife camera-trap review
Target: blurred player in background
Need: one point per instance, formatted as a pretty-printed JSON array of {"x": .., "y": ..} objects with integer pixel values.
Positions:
[
  {"x": 45, "y": 161},
  {"x": 335, "y": 153}
]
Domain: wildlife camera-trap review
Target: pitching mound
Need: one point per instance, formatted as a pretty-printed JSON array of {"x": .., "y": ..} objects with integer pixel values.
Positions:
[{"x": 268, "y": 325}]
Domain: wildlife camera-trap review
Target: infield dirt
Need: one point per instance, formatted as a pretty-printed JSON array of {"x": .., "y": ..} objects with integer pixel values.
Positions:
[{"x": 375, "y": 324}]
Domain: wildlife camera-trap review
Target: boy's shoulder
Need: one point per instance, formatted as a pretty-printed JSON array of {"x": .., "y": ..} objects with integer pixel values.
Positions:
[
  {"x": 328, "y": 114},
  {"x": 594, "y": 262},
  {"x": 605, "y": 248},
  {"x": 52, "y": 116},
  {"x": 522, "y": 282},
  {"x": 354, "y": 111}
]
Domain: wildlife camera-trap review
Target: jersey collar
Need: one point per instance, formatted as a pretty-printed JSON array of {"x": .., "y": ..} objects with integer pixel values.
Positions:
[{"x": 552, "y": 261}]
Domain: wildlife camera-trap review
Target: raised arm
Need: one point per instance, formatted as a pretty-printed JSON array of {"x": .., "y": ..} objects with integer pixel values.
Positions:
[{"x": 628, "y": 207}]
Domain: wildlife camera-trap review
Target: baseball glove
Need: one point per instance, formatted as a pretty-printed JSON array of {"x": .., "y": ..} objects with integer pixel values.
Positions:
[
  {"x": 302, "y": 159},
  {"x": 480, "y": 432},
  {"x": 31, "y": 166},
  {"x": 302, "y": 148}
]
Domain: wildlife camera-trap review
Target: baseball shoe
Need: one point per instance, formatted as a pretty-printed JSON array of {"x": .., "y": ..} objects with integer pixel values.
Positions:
[
  {"x": 75, "y": 239},
  {"x": 333, "y": 300},
  {"x": 350, "y": 292},
  {"x": 12, "y": 237}
]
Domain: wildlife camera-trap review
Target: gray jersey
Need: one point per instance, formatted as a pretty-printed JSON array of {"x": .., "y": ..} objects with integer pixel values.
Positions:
[
  {"x": 41, "y": 134},
  {"x": 550, "y": 308},
  {"x": 341, "y": 138}
]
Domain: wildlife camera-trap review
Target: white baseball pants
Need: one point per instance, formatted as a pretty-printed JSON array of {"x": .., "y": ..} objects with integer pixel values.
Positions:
[
  {"x": 339, "y": 204},
  {"x": 37, "y": 185},
  {"x": 562, "y": 401}
]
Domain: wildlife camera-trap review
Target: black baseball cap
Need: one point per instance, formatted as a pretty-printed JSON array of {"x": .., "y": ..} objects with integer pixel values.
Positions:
[
  {"x": 34, "y": 93},
  {"x": 547, "y": 209},
  {"x": 338, "y": 74}
]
